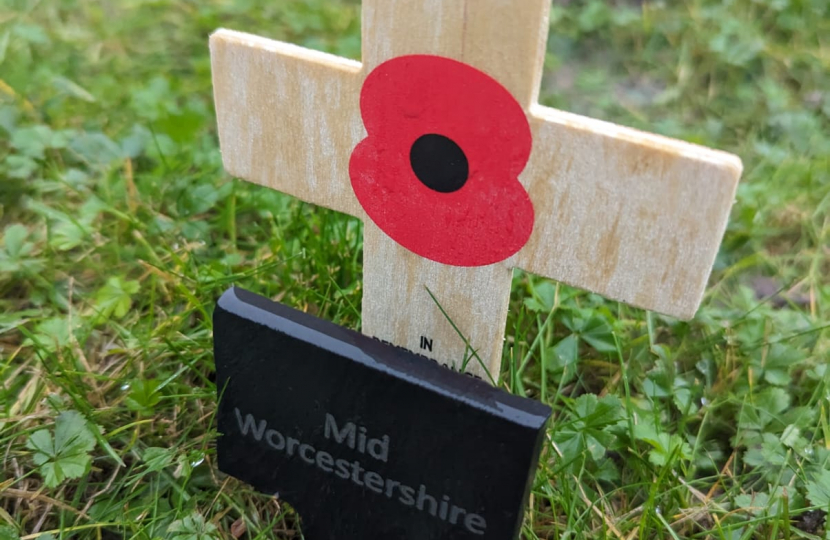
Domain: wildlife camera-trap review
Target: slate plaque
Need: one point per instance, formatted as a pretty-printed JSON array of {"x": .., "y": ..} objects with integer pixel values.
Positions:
[{"x": 367, "y": 440}]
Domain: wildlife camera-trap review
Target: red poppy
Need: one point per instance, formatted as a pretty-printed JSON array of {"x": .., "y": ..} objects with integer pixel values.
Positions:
[{"x": 439, "y": 169}]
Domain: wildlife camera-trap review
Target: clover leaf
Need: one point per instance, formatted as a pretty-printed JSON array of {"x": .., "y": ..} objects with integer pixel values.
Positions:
[
  {"x": 818, "y": 491},
  {"x": 193, "y": 527},
  {"x": 17, "y": 253},
  {"x": 116, "y": 297},
  {"x": 8, "y": 532},
  {"x": 665, "y": 446},
  {"x": 66, "y": 454},
  {"x": 588, "y": 427}
]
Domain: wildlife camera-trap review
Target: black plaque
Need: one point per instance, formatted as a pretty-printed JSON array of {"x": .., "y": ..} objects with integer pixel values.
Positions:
[{"x": 367, "y": 440}]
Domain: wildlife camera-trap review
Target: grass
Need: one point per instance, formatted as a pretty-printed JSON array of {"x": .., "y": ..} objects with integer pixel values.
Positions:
[{"x": 120, "y": 230}]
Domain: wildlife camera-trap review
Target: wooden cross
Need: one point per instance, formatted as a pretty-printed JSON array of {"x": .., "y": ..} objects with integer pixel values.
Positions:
[{"x": 633, "y": 216}]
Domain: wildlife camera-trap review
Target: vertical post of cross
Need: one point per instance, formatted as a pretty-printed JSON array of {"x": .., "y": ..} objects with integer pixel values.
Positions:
[{"x": 507, "y": 41}]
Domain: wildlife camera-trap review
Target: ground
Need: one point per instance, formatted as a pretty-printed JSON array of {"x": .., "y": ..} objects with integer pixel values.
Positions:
[{"x": 120, "y": 230}]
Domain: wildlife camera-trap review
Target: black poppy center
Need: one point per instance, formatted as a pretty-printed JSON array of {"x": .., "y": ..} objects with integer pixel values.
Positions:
[{"x": 439, "y": 163}]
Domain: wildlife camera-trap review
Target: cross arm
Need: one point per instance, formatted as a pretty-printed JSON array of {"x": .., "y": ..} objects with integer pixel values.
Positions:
[
  {"x": 288, "y": 117},
  {"x": 633, "y": 216}
]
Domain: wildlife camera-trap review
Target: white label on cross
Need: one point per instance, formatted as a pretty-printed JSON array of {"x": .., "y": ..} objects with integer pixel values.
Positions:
[{"x": 633, "y": 216}]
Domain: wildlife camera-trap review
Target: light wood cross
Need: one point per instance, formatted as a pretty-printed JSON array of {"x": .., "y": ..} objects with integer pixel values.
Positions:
[{"x": 633, "y": 216}]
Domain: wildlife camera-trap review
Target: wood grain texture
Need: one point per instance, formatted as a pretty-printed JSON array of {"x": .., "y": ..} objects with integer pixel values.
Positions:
[
  {"x": 288, "y": 117},
  {"x": 398, "y": 307},
  {"x": 630, "y": 215},
  {"x": 633, "y": 216},
  {"x": 504, "y": 38}
]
